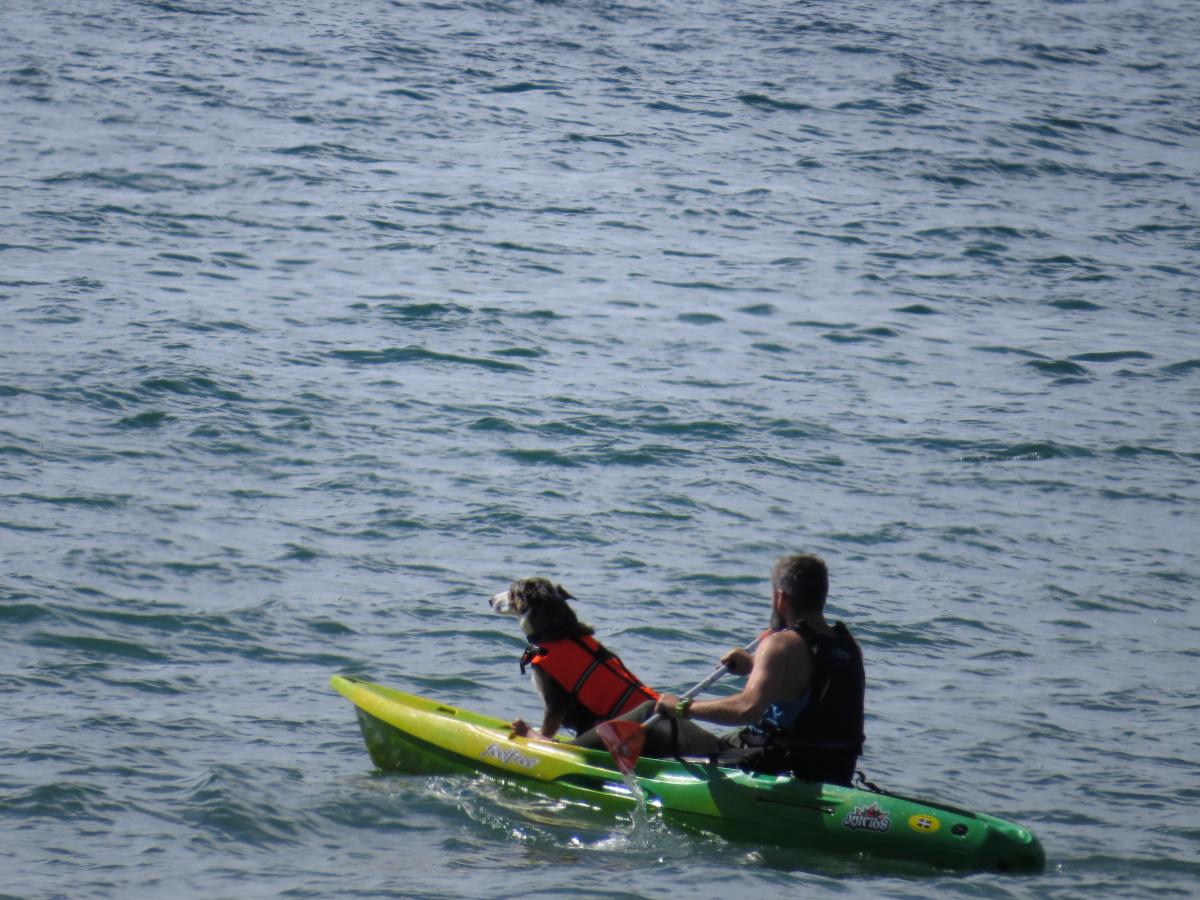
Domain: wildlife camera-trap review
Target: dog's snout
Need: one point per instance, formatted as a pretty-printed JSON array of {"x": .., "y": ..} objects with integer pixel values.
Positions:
[{"x": 500, "y": 602}]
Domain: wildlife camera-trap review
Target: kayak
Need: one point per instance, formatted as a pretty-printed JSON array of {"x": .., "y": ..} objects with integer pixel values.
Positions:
[{"x": 406, "y": 733}]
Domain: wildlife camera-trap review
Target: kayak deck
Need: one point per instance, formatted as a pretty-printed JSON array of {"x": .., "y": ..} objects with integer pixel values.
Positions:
[{"x": 411, "y": 734}]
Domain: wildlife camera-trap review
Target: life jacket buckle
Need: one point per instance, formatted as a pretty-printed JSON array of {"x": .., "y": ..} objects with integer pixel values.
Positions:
[{"x": 531, "y": 651}]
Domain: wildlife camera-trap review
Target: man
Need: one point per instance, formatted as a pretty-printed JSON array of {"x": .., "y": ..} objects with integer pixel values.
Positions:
[{"x": 802, "y": 704}]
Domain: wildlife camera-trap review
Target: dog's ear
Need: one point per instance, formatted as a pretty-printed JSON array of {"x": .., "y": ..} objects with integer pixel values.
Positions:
[{"x": 563, "y": 594}]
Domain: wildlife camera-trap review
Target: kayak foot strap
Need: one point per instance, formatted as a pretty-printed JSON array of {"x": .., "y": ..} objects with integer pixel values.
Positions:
[{"x": 860, "y": 781}]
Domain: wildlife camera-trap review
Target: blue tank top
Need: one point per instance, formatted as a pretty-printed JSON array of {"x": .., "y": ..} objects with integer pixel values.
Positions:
[{"x": 780, "y": 716}]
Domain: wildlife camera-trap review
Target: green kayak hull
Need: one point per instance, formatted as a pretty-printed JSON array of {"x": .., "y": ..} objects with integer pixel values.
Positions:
[{"x": 406, "y": 733}]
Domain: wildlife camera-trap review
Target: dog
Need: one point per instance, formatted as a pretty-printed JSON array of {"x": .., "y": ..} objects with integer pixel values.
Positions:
[{"x": 582, "y": 684}]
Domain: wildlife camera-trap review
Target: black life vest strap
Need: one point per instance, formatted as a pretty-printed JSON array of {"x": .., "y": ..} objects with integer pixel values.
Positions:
[
  {"x": 860, "y": 781},
  {"x": 629, "y": 692},
  {"x": 531, "y": 651},
  {"x": 598, "y": 656}
]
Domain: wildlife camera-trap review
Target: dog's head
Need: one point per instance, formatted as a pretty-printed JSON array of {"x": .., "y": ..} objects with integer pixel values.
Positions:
[{"x": 540, "y": 605}]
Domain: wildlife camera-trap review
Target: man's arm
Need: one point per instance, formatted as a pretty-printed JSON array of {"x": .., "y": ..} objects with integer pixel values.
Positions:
[{"x": 763, "y": 687}]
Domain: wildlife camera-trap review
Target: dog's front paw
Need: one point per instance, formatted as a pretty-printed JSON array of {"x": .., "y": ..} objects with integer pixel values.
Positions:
[{"x": 520, "y": 728}]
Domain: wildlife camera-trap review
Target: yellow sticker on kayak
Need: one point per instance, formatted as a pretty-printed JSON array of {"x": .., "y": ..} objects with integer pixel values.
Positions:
[{"x": 924, "y": 823}]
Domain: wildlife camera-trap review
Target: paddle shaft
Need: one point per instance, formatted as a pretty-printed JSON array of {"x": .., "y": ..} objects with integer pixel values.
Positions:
[{"x": 718, "y": 673}]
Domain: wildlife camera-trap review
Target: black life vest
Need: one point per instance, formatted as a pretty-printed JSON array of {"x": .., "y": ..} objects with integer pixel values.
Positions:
[
  {"x": 823, "y": 742},
  {"x": 591, "y": 674}
]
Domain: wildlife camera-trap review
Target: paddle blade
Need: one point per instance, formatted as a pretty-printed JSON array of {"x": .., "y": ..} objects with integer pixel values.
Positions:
[{"x": 624, "y": 741}]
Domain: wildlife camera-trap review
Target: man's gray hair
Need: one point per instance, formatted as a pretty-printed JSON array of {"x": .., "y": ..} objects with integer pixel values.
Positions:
[{"x": 803, "y": 579}]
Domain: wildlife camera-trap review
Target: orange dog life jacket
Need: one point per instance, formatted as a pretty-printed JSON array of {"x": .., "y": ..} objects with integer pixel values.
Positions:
[{"x": 594, "y": 676}]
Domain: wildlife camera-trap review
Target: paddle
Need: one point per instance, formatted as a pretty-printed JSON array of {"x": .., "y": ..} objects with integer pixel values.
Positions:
[{"x": 625, "y": 739}]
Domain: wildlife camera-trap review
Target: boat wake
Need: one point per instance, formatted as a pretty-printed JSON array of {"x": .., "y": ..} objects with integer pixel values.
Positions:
[{"x": 557, "y": 824}]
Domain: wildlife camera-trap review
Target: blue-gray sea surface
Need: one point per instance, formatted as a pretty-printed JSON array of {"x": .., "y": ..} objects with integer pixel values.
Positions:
[{"x": 321, "y": 321}]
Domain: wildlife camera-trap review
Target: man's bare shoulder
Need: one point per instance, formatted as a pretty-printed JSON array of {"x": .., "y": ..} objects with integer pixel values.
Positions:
[{"x": 781, "y": 643}]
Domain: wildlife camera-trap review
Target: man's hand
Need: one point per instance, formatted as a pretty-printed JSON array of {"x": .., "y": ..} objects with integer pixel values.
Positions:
[
  {"x": 738, "y": 661},
  {"x": 666, "y": 705}
]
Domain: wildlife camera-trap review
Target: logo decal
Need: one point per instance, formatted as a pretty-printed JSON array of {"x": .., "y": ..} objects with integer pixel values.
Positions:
[
  {"x": 511, "y": 757},
  {"x": 924, "y": 823},
  {"x": 872, "y": 818}
]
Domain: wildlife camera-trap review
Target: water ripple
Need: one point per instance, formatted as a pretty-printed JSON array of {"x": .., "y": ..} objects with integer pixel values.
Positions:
[{"x": 321, "y": 327}]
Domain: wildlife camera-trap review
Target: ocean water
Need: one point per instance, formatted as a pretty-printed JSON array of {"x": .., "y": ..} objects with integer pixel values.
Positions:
[{"x": 321, "y": 321}]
